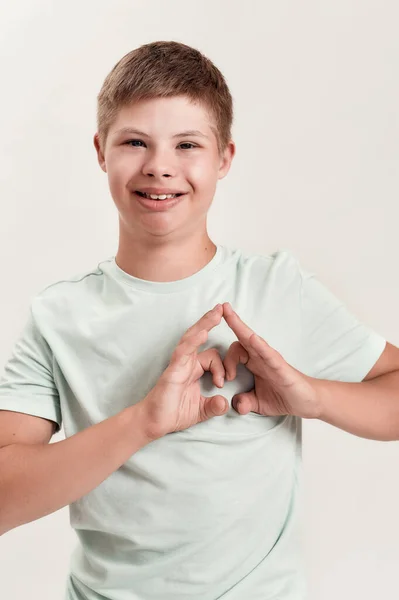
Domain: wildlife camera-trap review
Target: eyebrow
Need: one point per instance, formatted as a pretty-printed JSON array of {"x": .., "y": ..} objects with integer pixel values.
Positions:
[{"x": 182, "y": 134}]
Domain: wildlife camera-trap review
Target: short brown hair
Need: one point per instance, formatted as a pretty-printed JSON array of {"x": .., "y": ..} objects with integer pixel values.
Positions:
[{"x": 163, "y": 69}]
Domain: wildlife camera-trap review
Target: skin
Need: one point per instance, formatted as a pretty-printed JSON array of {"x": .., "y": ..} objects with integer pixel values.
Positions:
[{"x": 174, "y": 244}]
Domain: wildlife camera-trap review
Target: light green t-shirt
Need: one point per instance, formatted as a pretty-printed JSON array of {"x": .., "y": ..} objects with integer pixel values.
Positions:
[{"x": 210, "y": 512}]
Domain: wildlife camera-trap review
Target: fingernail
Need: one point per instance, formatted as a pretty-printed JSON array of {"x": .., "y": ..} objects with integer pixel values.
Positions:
[
  {"x": 221, "y": 381},
  {"x": 230, "y": 308}
]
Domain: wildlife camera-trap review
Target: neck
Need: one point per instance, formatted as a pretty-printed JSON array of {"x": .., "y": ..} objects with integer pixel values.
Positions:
[{"x": 165, "y": 261}]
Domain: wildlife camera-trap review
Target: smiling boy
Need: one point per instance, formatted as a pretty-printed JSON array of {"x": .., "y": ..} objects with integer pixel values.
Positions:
[
  {"x": 163, "y": 146},
  {"x": 169, "y": 502}
]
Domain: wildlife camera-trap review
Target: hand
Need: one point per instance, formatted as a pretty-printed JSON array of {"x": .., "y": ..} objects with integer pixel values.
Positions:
[
  {"x": 175, "y": 402},
  {"x": 279, "y": 388}
]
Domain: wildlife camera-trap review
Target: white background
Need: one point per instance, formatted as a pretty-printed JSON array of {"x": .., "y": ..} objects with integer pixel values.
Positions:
[{"x": 315, "y": 86}]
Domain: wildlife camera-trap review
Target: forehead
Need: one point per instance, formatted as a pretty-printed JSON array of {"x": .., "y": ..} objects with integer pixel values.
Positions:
[{"x": 165, "y": 116}]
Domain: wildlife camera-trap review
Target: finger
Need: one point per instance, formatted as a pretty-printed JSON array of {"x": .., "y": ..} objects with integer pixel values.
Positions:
[
  {"x": 207, "y": 321},
  {"x": 235, "y": 354},
  {"x": 266, "y": 352},
  {"x": 212, "y": 407},
  {"x": 242, "y": 331},
  {"x": 210, "y": 360},
  {"x": 188, "y": 347},
  {"x": 245, "y": 403}
]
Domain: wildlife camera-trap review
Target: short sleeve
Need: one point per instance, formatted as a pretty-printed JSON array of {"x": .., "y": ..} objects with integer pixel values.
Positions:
[
  {"x": 27, "y": 384},
  {"x": 335, "y": 344}
]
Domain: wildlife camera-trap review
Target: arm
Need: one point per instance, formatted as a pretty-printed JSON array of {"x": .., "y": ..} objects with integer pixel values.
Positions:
[
  {"x": 368, "y": 409},
  {"x": 38, "y": 479}
]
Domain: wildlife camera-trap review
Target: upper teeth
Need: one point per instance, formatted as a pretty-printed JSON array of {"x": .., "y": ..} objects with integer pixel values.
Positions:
[{"x": 159, "y": 196}]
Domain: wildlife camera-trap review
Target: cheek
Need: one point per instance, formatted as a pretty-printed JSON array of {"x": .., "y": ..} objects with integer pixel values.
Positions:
[
  {"x": 119, "y": 175},
  {"x": 202, "y": 174}
]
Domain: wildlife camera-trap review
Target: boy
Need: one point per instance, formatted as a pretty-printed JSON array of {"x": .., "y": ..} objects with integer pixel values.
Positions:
[{"x": 176, "y": 490}]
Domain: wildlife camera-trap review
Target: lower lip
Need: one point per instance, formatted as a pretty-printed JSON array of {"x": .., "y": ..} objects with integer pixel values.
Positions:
[{"x": 159, "y": 205}]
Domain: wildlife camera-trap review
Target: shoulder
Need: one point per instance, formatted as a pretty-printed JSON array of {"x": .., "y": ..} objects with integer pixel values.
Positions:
[
  {"x": 282, "y": 264},
  {"x": 72, "y": 292}
]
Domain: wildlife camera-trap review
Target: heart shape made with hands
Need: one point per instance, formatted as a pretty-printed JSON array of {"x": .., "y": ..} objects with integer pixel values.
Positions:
[{"x": 224, "y": 369}]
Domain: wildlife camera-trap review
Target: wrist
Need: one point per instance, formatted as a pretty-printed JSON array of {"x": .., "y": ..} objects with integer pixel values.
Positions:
[
  {"x": 138, "y": 421},
  {"x": 321, "y": 390}
]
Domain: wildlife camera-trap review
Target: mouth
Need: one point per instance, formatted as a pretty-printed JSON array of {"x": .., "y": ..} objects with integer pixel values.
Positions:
[
  {"x": 161, "y": 204},
  {"x": 161, "y": 197}
]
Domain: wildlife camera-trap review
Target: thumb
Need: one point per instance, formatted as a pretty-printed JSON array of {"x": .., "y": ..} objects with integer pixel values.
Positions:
[
  {"x": 214, "y": 406},
  {"x": 244, "y": 403}
]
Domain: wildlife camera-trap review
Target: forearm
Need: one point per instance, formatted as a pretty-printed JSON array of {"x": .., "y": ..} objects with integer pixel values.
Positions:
[
  {"x": 369, "y": 409},
  {"x": 38, "y": 479}
]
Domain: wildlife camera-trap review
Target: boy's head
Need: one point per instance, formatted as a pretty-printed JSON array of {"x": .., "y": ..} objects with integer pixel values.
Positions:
[{"x": 163, "y": 89}]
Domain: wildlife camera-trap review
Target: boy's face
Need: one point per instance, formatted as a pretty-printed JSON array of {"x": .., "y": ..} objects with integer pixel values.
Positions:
[{"x": 189, "y": 163}]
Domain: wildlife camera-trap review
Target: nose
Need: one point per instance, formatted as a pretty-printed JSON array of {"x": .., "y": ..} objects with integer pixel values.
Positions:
[{"x": 159, "y": 164}]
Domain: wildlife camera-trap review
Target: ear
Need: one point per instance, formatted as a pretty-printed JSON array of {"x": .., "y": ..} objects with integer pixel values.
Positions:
[
  {"x": 100, "y": 155},
  {"x": 226, "y": 159}
]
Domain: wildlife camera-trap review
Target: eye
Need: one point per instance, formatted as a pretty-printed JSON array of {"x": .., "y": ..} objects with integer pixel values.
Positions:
[
  {"x": 129, "y": 141},
  {"x": 188, "y": 144}
]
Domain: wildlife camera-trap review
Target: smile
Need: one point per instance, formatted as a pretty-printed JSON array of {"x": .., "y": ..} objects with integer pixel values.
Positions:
[{"x": 159, "y": 205}]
